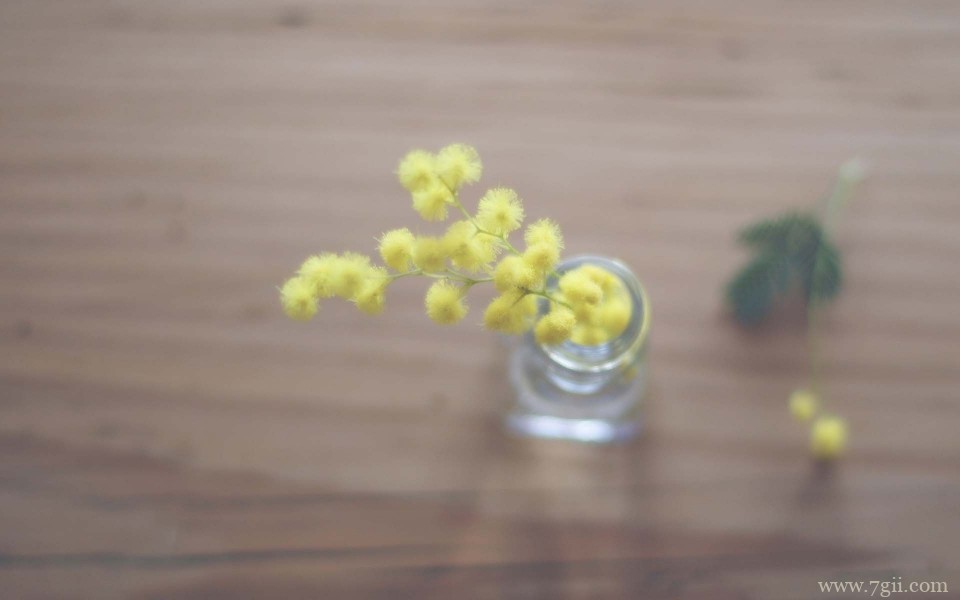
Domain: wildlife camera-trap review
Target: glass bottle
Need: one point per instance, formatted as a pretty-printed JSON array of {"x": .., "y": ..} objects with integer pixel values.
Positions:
[{"x": 584, "y": 393}]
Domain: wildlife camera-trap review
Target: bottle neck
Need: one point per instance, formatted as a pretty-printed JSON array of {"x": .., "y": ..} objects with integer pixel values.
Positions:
[{"x": 618, "y": 353}]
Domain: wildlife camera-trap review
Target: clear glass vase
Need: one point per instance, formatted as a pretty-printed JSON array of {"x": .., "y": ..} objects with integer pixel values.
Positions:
[{"x": 584, "y": 393}]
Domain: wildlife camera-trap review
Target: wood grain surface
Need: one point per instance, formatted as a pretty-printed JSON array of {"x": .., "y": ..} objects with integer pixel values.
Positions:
[{"x": 166, "y": 433}]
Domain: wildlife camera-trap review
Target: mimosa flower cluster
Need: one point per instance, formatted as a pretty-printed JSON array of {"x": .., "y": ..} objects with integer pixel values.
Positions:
[
  {"x": 587, "y": 305},
  {"x": 828, "y": 433}
]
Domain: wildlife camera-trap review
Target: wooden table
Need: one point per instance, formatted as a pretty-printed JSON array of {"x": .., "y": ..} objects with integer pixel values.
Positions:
[{"x": 166, "y": 433}]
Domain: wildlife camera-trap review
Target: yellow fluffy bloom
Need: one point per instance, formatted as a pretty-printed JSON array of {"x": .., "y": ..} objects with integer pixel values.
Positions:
[
  {"x": 556, "y": 327},
  {"x": 512, "y": 273},
  {"x": 417, "y": 170},
  {"x": 541, "y": 257},
  {"x": 543, "y": 231},
  {"x": 585, "y": 313},
  {"x": 579, "y": 288},
  {"x": 468, "y": 249},
  {"x": 607, "y": 281},
  {"x": 429, "y": 254},
  {"x": 614, "y": 315},
  {"x": 803, "y": 404},
  {"x": 510, "y": 313},
  {"x": 298, "y": 299},
  {"x": 544, "y": 242},
  {"x": 589, "y": 335},
  {"x": 458, "y": 164},
  {"x": 458, "y": 236},
  {"x": 316, "y": 271},
  {"x": 444, "y": 303},
  {"x": 349, "y": 273},
  {"x": 372, "y": 294},
  {"x": 396, "y": 248},
  {"x": 500, "y": 211},
  {"x": 432, "y": 201},
  {"x": 828, "y": 437}
]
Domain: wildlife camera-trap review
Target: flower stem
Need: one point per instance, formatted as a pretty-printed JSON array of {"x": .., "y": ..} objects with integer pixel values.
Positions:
[
  {"x": 544, "y": 294},
  {"x": 813, "y": 349},
  {"x": 466, "y": 278},
  {"x": 396, "y": 276},
  {"x": 506, "y": 244},
  {"x": 849, "y": 175}
]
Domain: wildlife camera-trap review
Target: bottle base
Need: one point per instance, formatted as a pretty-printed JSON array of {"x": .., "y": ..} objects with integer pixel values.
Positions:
[
  {"x": 595, "y": 431},
  {"x": 544, "y": 409}
]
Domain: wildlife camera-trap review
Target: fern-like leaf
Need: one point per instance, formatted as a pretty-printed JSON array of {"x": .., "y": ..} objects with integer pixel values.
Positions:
[
  {"x": 752, "y": 291},
  {"x": 773, "y": 234},
  {"x": 823, "y": 281},
  {"x": 791, "y": 251}
]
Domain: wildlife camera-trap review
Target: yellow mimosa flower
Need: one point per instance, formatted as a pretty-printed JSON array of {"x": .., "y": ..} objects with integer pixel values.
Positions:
[{"x": 444, "y": 303}]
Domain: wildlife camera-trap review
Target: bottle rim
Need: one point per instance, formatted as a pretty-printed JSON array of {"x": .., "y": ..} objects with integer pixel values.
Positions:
[{"x": 614, "y": 353}]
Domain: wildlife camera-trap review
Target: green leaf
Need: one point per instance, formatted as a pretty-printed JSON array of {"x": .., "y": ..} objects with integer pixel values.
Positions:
[
  {"x": 791, "y": 251},
  {"x": 774, "y": 234},
  {"x": 752, "y": 291},
  {"x": 823, "y": 280}
]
